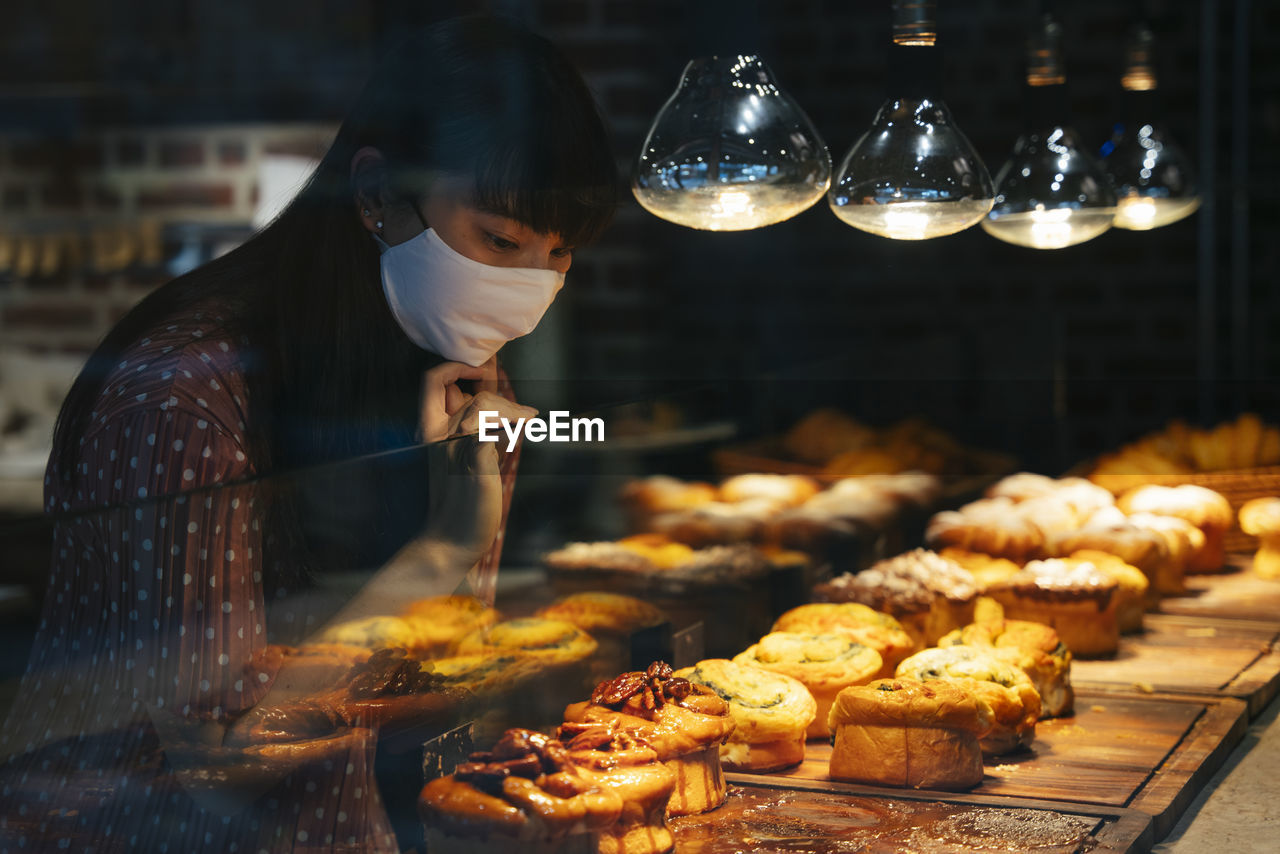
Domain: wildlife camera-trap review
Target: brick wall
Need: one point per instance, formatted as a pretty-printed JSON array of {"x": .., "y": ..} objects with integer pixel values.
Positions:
[
  {"x": 1055, "y": 355},
  {"x": 89, "y": 226}
]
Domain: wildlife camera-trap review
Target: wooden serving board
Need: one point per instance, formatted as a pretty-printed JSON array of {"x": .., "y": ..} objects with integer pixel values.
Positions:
[
  {"x": 1235, "y": 594},
  {"x": 807, "y": 817},
  {"x": 1148, "y": 753},
  {"x": 1191, "y": 655}
]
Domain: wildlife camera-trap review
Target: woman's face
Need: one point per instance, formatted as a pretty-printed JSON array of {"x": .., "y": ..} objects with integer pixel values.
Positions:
[{"x": 480, "y": 235}]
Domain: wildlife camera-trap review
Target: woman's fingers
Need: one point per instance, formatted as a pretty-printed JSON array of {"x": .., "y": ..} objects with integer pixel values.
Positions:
[
  {"x": 487, "y": 401},
  {"x": 441, "y": 397}
]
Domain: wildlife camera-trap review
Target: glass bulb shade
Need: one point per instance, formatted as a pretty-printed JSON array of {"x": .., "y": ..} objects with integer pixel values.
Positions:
[
  {"x": 730, "y": 151},
  {"x": 1153, "y": 179},
  {"x": 1050, "y": 193},
  {"x": 912, "y": 176}
]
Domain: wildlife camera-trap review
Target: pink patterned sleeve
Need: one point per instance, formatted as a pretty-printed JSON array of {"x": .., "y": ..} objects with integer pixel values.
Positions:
[{"x": 165, "y": 583}]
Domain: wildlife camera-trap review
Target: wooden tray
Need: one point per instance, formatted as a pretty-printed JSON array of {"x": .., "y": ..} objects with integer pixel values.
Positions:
[
  {"x": 1236, "y": 594},
  {"x": 1191, "y": 655},
  {"x": 1147, "y": 753},
  {"x": 793, "y": 816}
]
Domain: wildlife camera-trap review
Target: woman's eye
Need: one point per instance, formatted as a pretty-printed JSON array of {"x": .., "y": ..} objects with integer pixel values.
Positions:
[
  {"x": 499, "y": 243},
  {"x": 562, "y": 252}
]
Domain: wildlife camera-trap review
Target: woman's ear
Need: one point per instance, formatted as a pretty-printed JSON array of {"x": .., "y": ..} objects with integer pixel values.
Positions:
[{"x": 368, "y": 187}]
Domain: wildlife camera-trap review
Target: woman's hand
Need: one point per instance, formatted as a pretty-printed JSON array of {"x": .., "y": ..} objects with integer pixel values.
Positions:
[
  {"x": 449, "y": 411},
  {"x": 443, "y": 402}
]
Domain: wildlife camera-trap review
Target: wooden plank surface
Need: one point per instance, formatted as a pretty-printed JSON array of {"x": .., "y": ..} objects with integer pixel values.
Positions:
[
  {"x": 1191, "y": 655},
  {"x": 1236, "y": 594},
  {"x": 1151, "y": 753},
  {"x": 793, "y": 815}
]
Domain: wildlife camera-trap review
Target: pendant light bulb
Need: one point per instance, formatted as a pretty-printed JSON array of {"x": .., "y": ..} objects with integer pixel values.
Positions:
[
  {"x": 1051, "y": 193},
  {"x": 730, "y": 151},
  {"x": 913, "y": 175},
  {"x": 1153, "y": 177}
]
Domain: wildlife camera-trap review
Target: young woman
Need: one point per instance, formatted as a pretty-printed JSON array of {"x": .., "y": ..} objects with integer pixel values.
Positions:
[{"x": 438, "y": 226}]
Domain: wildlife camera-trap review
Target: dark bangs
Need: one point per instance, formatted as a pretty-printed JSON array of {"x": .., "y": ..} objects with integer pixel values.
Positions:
[
  {"x": 508, "y": 109},
  {"x": 565, "y": 189}
]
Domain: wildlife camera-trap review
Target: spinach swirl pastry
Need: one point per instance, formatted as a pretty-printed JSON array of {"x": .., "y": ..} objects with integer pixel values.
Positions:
[
  {"x": 866, "y": 625},
  {"x": 555, "y": 641},
  {"x": 1032, "y": 647},
  {"x": 771, "y": 713},
  {"x": 1014, "y": 702},
  {"x": 824, "y": 663}
]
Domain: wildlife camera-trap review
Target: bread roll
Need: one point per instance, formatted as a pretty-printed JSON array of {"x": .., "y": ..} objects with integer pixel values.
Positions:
[{"x": 909, "y": 734}]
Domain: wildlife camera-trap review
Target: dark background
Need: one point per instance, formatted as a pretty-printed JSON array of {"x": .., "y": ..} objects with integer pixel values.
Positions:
[{"x": 1054, "y": 355}]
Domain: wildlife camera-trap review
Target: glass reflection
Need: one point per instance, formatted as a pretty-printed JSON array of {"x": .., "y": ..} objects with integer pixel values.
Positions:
[
  {"x": 1051, "y": 193},
  {"x": 1153, "y": 177},
  {"x": 912, "y": 176},
  {"x": 730, "y": 151}
]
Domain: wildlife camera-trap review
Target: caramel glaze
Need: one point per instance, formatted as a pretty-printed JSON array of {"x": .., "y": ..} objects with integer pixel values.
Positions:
[
  {"x": 683, "y": 722},
  {"x": 537, "y": 789},
  {"x": 672, "y": 715}
]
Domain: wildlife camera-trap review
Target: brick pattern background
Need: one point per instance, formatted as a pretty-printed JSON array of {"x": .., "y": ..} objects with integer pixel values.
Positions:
[
  {"x": 89, "y": 226},
  {"x": 1055, "y": 355}
]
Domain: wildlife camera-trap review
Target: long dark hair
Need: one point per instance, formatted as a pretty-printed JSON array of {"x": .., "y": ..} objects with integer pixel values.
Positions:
[{"x": 330, "y": 375}]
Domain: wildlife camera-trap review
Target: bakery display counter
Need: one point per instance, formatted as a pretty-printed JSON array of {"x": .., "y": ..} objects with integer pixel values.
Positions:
[
  {"x": 1236, "y": 594},
  {"x": 825, "y": 818},
  {"x": 1150, "y": 753},
  {"x": 1200, "y": 655}
]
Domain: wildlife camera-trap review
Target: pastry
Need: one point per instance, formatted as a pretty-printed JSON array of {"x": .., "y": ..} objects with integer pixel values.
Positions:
[
  {"x": 1185, "y": 542},
  {"x": 866, "y": 625},
  {"x": 784, "y": 490},
  {"x": 393, "y": 688},
  {"x": 1261, "y": 518},
  {"x": 909, "y": 734},
  {"x": 1131, "y": 592},
  {"x": 293, "y": 672},
  {"x": 717, "y": 522},
  {"x": 1034, "y": 648},
  {"x": 375, "y": 633},
  {"x": 771, "y": 713},
  {"x": 824, "y": 434},
  {"x": 1014, "y": 701},
  {"x": 1077, "y": 601},
  {"x": 684, "y": 723},
  {"x": 655, "y": 557},
  {"x": 440, "y": 622},
  {"x": 1202, "y": 507},
  {"x": 991, "y": 525},
  {"x": 552, "y": 641},
  {"x": 928, "y": 594},
  {"x": 652, "y": 496},
  {"x": 824, "y": 663},
  {"x": 1083, "y": 497},
  {"x": 533, "y": 793},
  {"x": 1110, "y": 531},
  {"x": 611, "y": 619},
  {"x": 561, "y": 651}
]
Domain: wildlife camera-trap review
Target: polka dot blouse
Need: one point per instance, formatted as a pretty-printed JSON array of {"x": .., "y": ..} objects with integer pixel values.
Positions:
[{"x": 154, "y": 611}]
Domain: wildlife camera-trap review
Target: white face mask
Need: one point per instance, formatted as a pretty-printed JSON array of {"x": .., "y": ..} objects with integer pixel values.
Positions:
[{"x": 459, "y": 308}]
